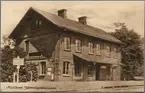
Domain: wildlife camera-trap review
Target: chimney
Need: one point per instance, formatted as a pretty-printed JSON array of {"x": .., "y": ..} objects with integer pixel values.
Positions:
[
  {"x": 62, "y": 13},
  {"x": 83, "y": 20}
]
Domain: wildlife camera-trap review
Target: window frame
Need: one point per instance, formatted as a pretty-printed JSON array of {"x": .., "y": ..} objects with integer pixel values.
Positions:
[
  {"x": 77, "y": 69},
  {"x": 108, "y": 51},
  {"x": 98, "y": 49},
  {"x": 91, "y": 47},
  {"x": 78, "y": 45},
  {"x": 67, "y": 46},
  {"x": 42, "y": 70},
  {"x": 66, "y": 66},
  {"x": 115, "y": 52},
  {"x": 36, "y": 24},
  {"x": 118, "y": 53},
  {"x": 90, "y": 71},
  {"x": 40, "y": 23}
]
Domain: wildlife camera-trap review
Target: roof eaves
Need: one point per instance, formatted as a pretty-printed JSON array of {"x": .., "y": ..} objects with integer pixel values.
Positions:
[
  {"x": 118, "y": 42},
  {"x": 10, "y": 36}
]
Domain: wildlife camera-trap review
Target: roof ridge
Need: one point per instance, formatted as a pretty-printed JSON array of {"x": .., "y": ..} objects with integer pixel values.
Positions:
[{"x": 63, "y": 18}]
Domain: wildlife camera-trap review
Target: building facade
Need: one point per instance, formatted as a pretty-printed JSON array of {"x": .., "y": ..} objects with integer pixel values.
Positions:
[{"x": 66, "y": 50}]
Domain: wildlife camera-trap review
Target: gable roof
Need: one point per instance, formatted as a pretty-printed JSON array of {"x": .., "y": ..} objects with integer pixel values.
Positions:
[{"x": 76, "y": 26}]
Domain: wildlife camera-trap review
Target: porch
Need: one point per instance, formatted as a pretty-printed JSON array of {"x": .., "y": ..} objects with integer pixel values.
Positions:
[{"x": 86, "y": 69}]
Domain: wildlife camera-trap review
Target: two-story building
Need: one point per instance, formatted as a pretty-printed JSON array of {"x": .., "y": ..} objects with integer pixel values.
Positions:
[{"x": 67, "y": 50}]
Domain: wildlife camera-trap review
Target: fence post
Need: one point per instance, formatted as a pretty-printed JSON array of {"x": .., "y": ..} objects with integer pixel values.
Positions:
[{"x": 18, "y": 67}]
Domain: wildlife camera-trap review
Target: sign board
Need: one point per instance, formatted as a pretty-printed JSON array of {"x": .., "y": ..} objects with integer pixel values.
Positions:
[
  {"x": 103, "y": 67},
  {"x": 18, "y": 61}
]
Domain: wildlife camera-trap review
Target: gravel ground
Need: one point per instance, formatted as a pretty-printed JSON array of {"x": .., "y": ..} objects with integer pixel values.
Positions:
[
  {"x": 125, "y": 89},
  {"x": 70, "y": 87}
]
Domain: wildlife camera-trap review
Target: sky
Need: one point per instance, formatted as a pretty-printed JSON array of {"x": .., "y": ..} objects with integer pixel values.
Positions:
[{"x": 100, "y": 14}]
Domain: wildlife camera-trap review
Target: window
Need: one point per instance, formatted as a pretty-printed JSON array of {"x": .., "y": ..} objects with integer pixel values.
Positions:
[
  {"x": 27, "y": 46},
  {"x": 35, "y": 54},
  {"x": 90, "y": 69},
  {"x": 78, "y": 45},
  {"x": 115, "y": 52},
  {"x": 118, "y": 53},
  {"x": 67, "y": 43},
  {"x": 65, "y": 67},
  {"x": 77, "y": 68},
  {"x": 36, "y": 24},
  {"x": 40, "y": 23},
  {"x": 98, "y": 49},
  {"x": 108, "y": 51},
  {"x": 42, "y": 68},
  {"x": 90, "y": 44}
]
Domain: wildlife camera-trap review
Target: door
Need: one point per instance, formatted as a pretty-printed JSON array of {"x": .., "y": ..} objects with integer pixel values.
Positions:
[
  {"x": 114, "y": 74},
  {"x": 42, "y": 70},
  {"x": 97, "y": 71},
  {"x": 103, "y": 73}
]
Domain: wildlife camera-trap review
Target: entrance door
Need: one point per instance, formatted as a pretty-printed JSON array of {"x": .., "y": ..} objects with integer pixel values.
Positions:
[
  {"x": 97, "y": 71},
  {"x": 103, "y": 73},
  {"x": 114, "y": 74}
]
